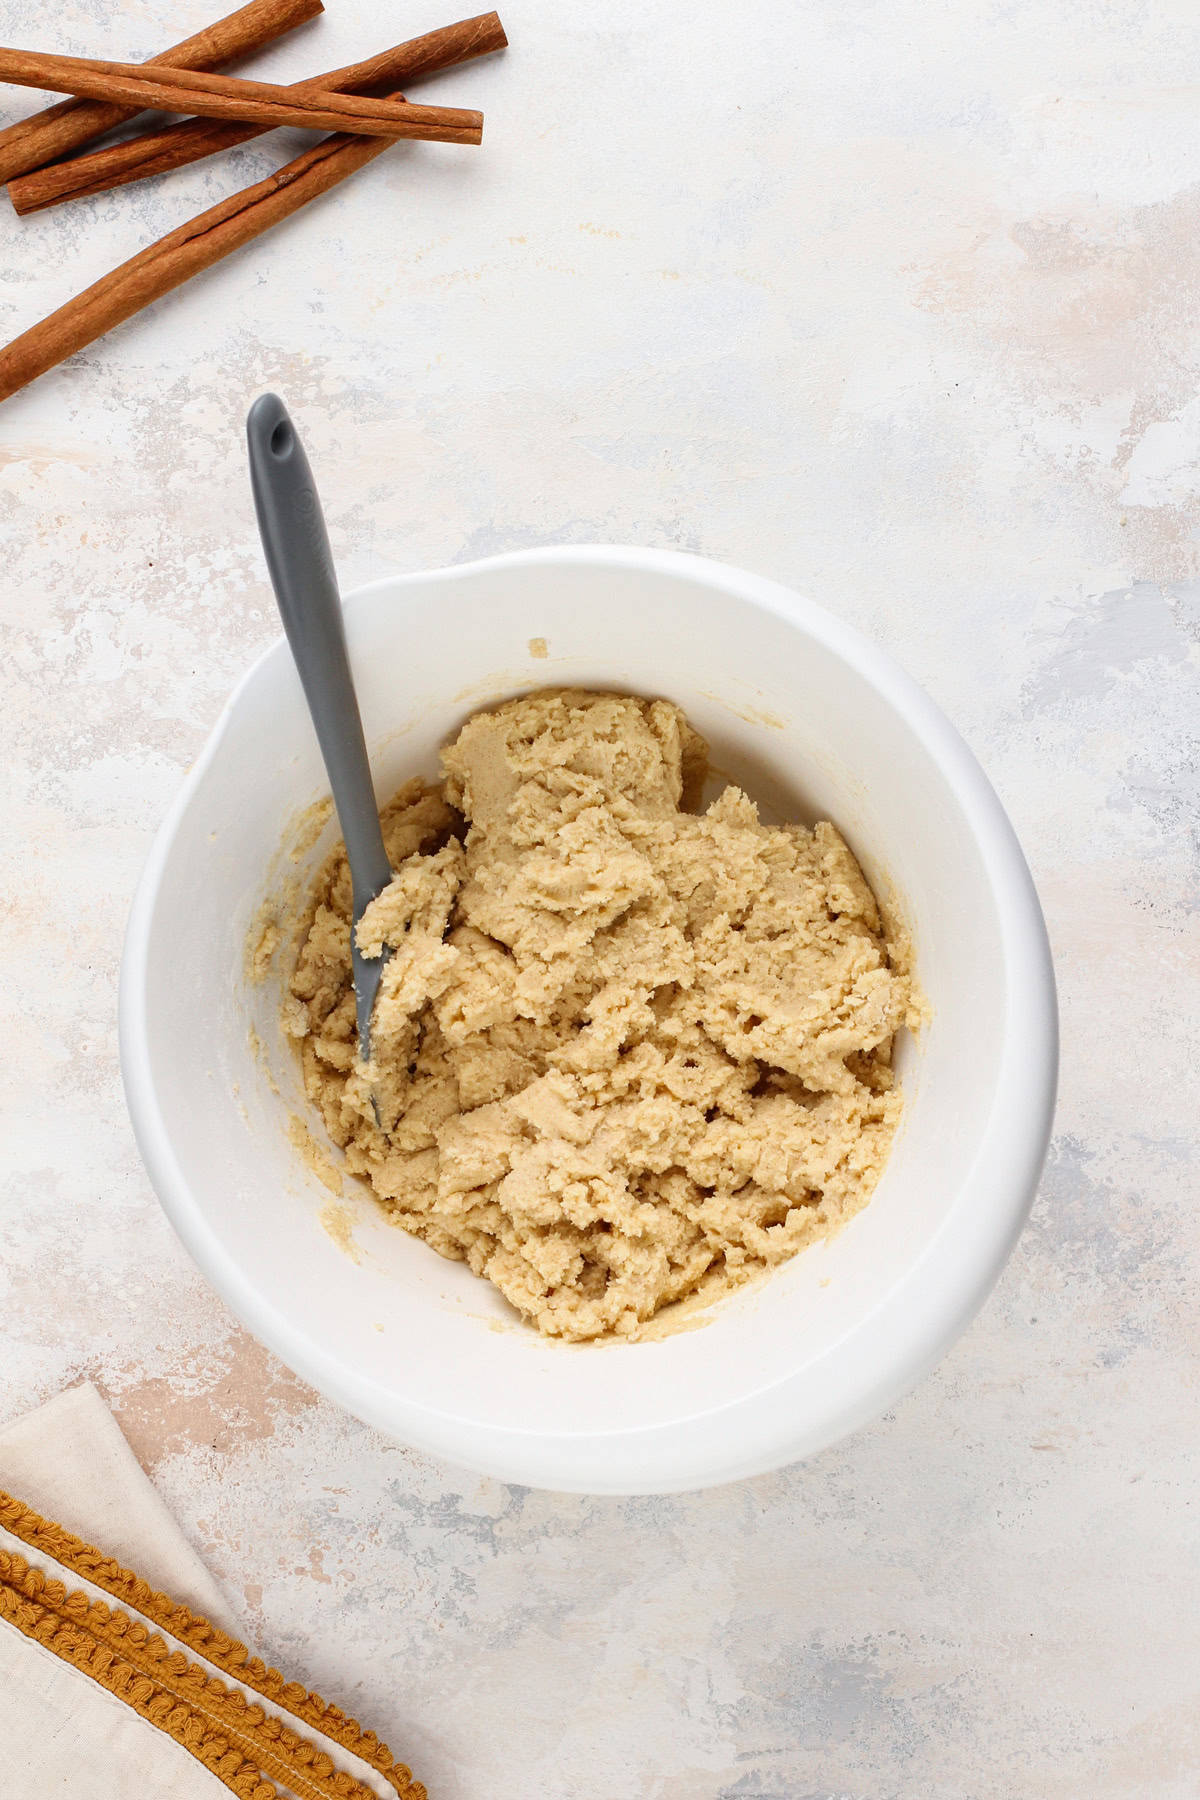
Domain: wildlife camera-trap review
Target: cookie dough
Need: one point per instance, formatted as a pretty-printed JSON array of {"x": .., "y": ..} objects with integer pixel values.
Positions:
[{"x": 623, "y": 1051}]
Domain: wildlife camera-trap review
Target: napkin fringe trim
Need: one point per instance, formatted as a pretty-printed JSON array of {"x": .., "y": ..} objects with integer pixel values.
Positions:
[
  {"x": 91, "y": 1656},
  {"x": 17, "y": 1593}
]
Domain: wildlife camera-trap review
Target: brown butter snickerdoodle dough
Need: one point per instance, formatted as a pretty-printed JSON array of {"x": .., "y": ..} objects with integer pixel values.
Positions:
[{"x": 624, "y": 1051}]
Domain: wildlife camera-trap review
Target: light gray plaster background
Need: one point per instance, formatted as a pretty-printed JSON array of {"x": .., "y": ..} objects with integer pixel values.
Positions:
[{"x": 898, "y": 303}]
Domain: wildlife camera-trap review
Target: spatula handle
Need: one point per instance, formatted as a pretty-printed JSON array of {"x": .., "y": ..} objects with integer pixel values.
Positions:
[
  {"x": 300, "y": 562},
  {"x": 292, "y": 528}
]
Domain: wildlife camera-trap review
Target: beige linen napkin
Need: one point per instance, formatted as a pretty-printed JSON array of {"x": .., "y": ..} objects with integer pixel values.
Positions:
[{"x": 117, "y": 1685}]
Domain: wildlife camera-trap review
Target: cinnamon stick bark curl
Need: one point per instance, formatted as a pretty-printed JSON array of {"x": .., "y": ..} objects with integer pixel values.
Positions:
[{"x": 227, "y": 97}]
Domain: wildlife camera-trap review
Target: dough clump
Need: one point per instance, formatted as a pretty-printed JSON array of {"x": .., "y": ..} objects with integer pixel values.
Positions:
[{"x": 624, "y": 1052}]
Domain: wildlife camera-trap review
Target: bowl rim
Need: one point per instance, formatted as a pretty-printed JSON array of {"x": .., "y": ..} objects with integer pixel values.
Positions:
[{"x": 907, "y": 1333}]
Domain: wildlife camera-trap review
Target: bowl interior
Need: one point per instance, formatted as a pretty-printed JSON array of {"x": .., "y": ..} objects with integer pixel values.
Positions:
[{"x": 804, "y": 717}]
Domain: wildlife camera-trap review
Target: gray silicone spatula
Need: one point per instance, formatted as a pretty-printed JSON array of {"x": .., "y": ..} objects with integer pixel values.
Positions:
[{"x": 292, "y": 528}]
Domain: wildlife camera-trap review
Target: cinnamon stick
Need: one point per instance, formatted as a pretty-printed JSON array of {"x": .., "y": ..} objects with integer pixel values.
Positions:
[
  {"x": 180, "y": 255},
  {"x": 228, "y": 97},
  {"x": 154, "y": 152},
  {"x": 58, "y": 130}
]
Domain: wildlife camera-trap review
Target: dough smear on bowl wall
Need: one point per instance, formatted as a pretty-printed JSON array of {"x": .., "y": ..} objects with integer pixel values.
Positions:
[{"x": 625, "y": 1052}]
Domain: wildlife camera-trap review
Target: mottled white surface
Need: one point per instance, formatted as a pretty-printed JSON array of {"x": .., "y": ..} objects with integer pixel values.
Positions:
[{"x": 899, "y": 303}]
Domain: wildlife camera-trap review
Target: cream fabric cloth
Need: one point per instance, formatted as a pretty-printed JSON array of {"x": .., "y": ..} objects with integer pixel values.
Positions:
[
  {"x": 69, "y": 1462},
  {"x": 61, "y": 1734}
]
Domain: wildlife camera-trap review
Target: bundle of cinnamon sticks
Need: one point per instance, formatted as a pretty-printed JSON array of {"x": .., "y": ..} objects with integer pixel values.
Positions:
[{"x": 363, "y": 105}]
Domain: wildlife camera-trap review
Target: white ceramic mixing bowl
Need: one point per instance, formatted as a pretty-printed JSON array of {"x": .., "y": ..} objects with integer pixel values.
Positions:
[{"x": 813, "y": 720}]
